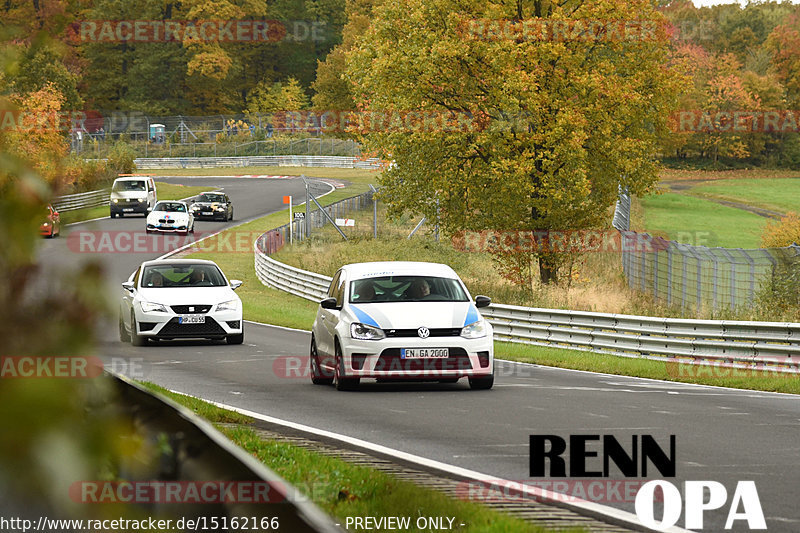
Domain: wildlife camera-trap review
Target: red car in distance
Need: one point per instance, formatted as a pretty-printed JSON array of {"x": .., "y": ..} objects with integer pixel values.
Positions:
[{"x": 51, "y": 225}]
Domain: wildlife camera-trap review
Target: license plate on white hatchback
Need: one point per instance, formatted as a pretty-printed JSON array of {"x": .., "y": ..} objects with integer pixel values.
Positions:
[
  {"x": 424, "y": 353},
  {"x": 192, "y": 319}
]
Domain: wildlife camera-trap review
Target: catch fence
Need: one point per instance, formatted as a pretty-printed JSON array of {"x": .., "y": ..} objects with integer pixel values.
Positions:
[{"x": 692, "y": 276}]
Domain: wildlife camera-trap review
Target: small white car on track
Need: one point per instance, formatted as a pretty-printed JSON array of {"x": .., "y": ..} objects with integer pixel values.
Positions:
[
  {"x": 400, "y": 321},
  {"x": 170, "y": 216},
  {"x": 179, "y": 299}
]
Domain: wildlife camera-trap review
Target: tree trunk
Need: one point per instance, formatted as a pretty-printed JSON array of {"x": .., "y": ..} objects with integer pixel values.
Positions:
[{"x": 548, "y": 270}]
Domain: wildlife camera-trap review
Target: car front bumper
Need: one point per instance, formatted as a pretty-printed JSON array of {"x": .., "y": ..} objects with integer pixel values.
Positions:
[
  {"x": 385, "y": 359},
  {"x": 213, "y": 214},
  {"x": 217, "y": 324},
  {"x": 128, "y": 208}
]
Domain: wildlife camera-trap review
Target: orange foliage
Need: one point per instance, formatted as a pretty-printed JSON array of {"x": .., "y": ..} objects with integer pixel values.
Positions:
[{"x": 780, "y": 233}]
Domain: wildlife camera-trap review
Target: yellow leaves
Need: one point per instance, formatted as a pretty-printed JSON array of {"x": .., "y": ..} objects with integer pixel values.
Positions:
[
  {"x": 784, "y": 232},
  {"x": 212, "y": 63}
]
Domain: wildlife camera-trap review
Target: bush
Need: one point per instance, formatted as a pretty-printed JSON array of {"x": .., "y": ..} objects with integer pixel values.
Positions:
[
  {"x": 782, "y": 233},
  {"x": 120, "y": 158}
]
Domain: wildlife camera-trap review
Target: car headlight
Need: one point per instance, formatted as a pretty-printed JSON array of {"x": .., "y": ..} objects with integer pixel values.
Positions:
[
  {"x": 365, "y": 332},
  {"x": 116, "y": 200},
  {"x": 474, "y": 330},
  {"x": 230, "y": 305},
  {"x": 219, "y": 208},
  {"x": 150, "y": 307}
]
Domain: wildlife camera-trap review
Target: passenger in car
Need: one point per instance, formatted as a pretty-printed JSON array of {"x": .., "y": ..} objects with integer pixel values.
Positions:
[
  {"x": 366, "y": 292},
  {"x": 156, "y": 280}
]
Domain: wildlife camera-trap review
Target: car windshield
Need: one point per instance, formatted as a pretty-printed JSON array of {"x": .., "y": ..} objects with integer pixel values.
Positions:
[
  {"x": 128, "y": 185},
  {"x": 170, "y": 207},
  {"x": 177, "y": 276},
  {"x": 211, "y": 198},
  {"x": 406, "y": 289}
]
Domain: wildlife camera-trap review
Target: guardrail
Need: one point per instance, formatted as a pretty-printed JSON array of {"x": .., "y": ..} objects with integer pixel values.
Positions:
[
  {"x": 266, "y": 160},
  {"x": 196, "y": 452},
  {"x": 71, "y": 202},
  {"x": 772, "y": 346}
]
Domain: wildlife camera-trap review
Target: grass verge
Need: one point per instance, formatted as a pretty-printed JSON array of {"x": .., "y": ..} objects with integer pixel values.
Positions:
[
  {"x": 345, "y": 490},
  {"x": 353, "y": 175}
]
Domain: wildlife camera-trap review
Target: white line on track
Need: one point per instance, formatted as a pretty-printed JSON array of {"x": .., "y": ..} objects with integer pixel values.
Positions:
[{"x": 586, "y": 506}]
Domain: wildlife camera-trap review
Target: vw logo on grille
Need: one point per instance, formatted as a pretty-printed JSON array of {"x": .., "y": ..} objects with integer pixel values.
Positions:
[{"x": 423, "y": 332}]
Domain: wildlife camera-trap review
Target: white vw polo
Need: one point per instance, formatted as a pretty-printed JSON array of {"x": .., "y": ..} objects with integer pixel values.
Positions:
[
  {"x": 180, "y": 298},
  {"x": 400, "y": 320}
]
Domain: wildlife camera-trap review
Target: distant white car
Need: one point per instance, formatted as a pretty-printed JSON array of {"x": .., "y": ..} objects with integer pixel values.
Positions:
[
  {"x": 180, "y": 298},
  {"x": 170, "y": 217},
  {"x": 400, "y": 320}
]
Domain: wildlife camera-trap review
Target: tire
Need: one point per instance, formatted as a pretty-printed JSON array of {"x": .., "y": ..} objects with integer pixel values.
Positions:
[
  {"x": 231, "y": 217},
  {"x": 318, "y": 375},
  {"x": 235, "y": 339},
  {"x": 484, "y": 383},
  {"x": 136, "y": 339},
  {"x": 124, "y": 336},
  {"x": 345, "y": 384},
  {"x": 112, "y": 214}
]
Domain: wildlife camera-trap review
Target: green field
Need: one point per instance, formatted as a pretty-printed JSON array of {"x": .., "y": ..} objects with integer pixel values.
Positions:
[
  {"x": 781, "y": 195},
  {"x": 350, "y": 174},
  {"x": 698, "y": 221}
]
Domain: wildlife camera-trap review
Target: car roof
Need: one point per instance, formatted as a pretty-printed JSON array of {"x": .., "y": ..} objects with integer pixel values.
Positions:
[
  {"x": 171, "y": 202},
  {"x": 398, "y": 268},
  {"x": 133, "y": 178},
  {"x": 211, "y": 192},
  {"x": 157, "y": 262}
]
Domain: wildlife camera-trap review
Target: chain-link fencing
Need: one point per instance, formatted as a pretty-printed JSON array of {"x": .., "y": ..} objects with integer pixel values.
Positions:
[{"x": 698, "y": 276}]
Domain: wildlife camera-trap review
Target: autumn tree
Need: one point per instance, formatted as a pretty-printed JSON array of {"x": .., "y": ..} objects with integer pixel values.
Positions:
[{"x": 559, "y": 123}]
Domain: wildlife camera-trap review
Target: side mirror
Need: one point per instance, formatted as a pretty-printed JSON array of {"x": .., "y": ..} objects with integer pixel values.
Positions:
[
  {"x": 128, "y": 286},
  {"x": 235, "y": 284},
  {"x": 328, "y": 303},
  {"x": 482, "y": 301}
]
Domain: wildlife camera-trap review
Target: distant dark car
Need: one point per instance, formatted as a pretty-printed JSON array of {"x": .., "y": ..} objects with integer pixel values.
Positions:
[
  {"x": 51, "y": 225},
  {"x": 213, "y": 206}
]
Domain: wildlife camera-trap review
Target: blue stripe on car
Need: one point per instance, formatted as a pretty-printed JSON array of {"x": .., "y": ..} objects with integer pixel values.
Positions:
[
  {"x": 363, "y": 317},
  {"x": 472, "y": 315}
]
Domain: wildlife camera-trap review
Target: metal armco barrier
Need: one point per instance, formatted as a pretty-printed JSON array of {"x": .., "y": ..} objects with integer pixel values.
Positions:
[
  {"x": 266, "y": 160},
  {"x": 71, "y": 202},
  {"x": 770, "y": 345},
  {"x": 199, "y": 453}
]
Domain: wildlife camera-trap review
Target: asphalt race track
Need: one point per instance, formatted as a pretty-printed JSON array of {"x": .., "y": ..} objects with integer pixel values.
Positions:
[{"x": 721, "y": 435}]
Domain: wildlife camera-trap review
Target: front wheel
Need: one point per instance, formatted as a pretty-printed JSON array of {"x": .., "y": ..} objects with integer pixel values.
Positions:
[
  {"x": 123, "y": 333},
  {"x": 235, "y": 339},
  {"x": 482, "y": 383},
  {"x": 318, "y": 375},
  {"x": 342, "y": 383},
  {"x": 136, "y": 339}
]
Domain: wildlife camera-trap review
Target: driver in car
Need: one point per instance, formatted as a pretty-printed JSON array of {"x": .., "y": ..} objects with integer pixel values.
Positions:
[
  {"x": 419, "y": 289},
  {"x": 197, "y": 277}
]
